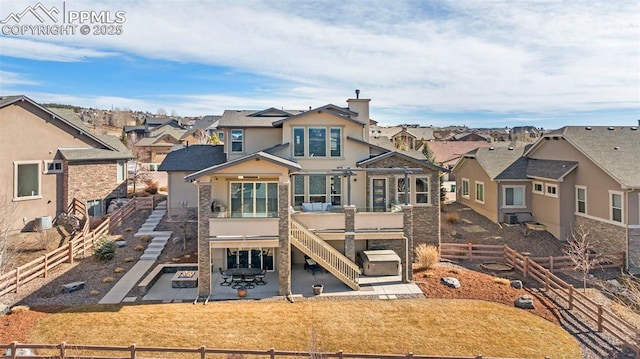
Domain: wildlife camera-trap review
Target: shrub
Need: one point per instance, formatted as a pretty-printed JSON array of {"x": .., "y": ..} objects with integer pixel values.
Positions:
[
  {"x": 93, "y": 293},
  {"x": 129, "y": 229},
  {"x": 453, "y": 217},
  {"x": 427, "y": 255},
  {"x": 502, "y": 281},
  {"x": 20, "y": 309},
  {"x": 105, "y": 249},
  {"x": 152, "y": 186},
  {"x": 139, "y": 248},
  {"x": 129, "y": 259},
  {"x": 108, "y": 279},
  {"x": 145, "y": 238},
  {"x": 118, "y": 270}
]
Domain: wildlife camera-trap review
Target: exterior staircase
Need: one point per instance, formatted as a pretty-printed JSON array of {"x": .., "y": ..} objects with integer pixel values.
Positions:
[{"x": 325, "y": 255}]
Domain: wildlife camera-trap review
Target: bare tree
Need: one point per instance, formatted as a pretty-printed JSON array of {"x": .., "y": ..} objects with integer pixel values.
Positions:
[
  {"x": 580, "y": 252},
  {"x": 44, "y": 236},
  {"x": 136, "y": 174},
  {"x": 8, "y": 214}
]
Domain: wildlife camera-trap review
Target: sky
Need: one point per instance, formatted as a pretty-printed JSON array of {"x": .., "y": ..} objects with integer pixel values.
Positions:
[{"x": 475, "y": 63}]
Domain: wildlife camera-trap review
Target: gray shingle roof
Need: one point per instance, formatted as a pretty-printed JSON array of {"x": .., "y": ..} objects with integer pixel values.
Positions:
[
  {"x": 549, "y": 169},
  {"x": 494, "y": 160},
  {"x": 243, "y": 118},
  {"x": 206, "y": 122},
  {"x": 193, "y": 158},
  {"x": 258, "y": 155},
  {"x": 615, "y": 149},
  {"x": 419, "y": 162}
]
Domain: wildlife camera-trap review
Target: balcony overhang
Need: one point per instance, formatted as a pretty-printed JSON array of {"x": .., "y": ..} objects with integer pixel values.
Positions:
[
  {"x": 243, "y": 241},
  {"x": 360, "y": 234}
]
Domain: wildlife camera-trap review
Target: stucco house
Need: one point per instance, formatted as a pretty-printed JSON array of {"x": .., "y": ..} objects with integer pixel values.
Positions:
[
  {"x": 49, "y": 159},
  {"x": 308, "y": 184},
  {"x": 575, "y": 175}
]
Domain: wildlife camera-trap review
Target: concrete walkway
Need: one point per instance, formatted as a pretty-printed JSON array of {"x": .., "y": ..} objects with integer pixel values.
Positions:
[{"x": 148, "y": 258}]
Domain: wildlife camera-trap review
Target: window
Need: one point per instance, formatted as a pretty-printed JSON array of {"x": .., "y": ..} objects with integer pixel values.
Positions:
[
  {"x": 317, "y": 188},
  {"x": 254, "y": 199},
  {"x": 54, "y": 166},
  {"x": 581, "y": 199},
  {"x": 220, "y": 135},
  {"x": 538, "y": 187},
  {"x": 615, "y": 203},
  {"x": 26, "y": 180},
  {"x": 237, "y": 140},
  {"x": 465, "y": 188},
  {"x": 298, "y": 142},
  {"x": 422, "y": 190},
  {"x": 94, "y": 207},
  {"x": 551, "y": 190},
  {"x": 480, "y": 192},
  {"x": 121, "y": 173},
  {"x": 403, "y": 189},
  {"x": 313, "y": 142},
  {"x": 513, "y": 196}
]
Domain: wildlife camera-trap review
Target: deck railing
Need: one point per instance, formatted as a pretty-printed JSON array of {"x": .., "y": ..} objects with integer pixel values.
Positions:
[{"x": 325, "y": 255}]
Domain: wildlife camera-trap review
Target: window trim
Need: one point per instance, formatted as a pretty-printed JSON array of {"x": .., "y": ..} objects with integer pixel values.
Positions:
[
  {"x": 232, "y": 141},
  {"x": 16, "y": 164},
  {"x": 504, "y": 196},
  {"x": 428, "y": 192},
  {"x": 100, "y": 202},
  {"x": 621, "y": 194},
  {"x": 468, "y": 195},
  {"x": 533, "y": 189},
  {"x": 306, "y": 139},
  {"x": 578, "y": 201},
  {"x": 253, "y": 198},
  {"x": 546, "y": 190},
  {"x": 483, "y": 192},
  {"x": 120, "y": 163},
  {"x": 398, "y": 193},
  {"x": 47, "y": 163},
  {"x": 306, "y": 195}
]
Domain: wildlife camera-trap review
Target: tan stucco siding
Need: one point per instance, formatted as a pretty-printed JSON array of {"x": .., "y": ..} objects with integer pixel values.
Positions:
[
  {"x": 29, "y": 134},
  {"x": 181, "y": 190},
  {"x": 587, "y": 174},
  {"x": 471, "y": 170},
  {"x": 546, "y": 210},
  {"x": 255, "y": 139}
]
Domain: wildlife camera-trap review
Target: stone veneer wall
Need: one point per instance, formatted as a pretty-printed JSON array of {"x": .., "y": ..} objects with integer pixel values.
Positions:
[
  {"x": 604, "y": 237},
  {"x": 284, "y": 242},
  {"x": 634, "y": 250},
  {"x": 91, "y": 180},
  {"x": 204, "y": 252}
]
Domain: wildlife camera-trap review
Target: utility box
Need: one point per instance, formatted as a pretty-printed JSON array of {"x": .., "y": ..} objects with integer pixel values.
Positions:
[
  {"x": 44, "y": 222},
  {"x": 380, "y": 262},
  {"x": 510, "y": 218}
]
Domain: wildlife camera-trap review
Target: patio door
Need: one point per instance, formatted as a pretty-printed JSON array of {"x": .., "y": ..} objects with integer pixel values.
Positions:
[
  {"x": 379, "y": 194},
  {"x": 250, "y": 257}
]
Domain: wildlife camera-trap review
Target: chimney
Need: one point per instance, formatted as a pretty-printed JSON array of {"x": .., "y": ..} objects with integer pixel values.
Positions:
[{"x": 361, "y": 107}]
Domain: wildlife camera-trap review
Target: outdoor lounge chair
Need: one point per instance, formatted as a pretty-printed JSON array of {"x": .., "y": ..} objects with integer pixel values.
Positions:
[
  {"x": 260, "y": 278},
  {"x": 225, "y": 278}
]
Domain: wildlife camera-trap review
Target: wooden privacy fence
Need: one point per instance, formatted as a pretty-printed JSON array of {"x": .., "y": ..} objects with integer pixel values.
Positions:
[
  {"x": 82, "y": 242},
  {"x": 63, "y": 351},
  {"x": 540, "y": 269}
]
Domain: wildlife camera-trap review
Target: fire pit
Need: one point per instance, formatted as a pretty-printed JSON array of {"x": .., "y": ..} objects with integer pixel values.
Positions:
[
  {"x": 185, "y": 279},
  {"x": 496, "y": 267}
]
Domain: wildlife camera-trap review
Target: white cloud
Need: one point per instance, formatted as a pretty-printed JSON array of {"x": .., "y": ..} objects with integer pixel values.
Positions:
[
  {"x": 14, "y": 78},
  {"x": 539, "y": 57}
]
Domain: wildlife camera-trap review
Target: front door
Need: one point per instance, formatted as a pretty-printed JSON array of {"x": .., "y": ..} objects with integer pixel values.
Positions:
[{"x": 379, "y": 194}]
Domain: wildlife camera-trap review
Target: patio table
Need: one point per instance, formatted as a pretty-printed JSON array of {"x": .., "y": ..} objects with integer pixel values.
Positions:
[{"x": 243, "y": 271}]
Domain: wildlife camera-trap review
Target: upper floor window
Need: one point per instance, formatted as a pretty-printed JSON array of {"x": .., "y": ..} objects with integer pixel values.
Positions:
[
  {"x": 422, "y": 190},
  {"x": 616, "y": 207},
  {"x": 513, "y": 196},
  {"x": 581, "y": 199},
  {"x": 317, "y": 188},
  {"x": 480, "y": 192},
  {"x": 538, "y": 187},
  {"x": 26, "y": 180},
  {"x": 54, "y": 166},
  {"x": 237, "y": 140},
  {"x": 465, "y": 188},
  {"x": 317, "y": 142},
  {"x": 551, "y": 190}
]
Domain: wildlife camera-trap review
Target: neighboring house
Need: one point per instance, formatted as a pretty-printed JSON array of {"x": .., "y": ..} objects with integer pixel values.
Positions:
[
  {"x": 180, "y": 163},
  {"x": 447, "y": 153},
  {"x": 309, "y": 183},
  {"x": 403, "y": 137},
  {"x": 52, "y": 158},
  {"x": 468, "y": 136},
  {"x": 158, "y": 142},
  {"x": 572, "y": 176}
]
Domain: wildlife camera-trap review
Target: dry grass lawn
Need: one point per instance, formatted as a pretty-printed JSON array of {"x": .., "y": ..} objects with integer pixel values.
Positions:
[{"x": 431, "y": 326}]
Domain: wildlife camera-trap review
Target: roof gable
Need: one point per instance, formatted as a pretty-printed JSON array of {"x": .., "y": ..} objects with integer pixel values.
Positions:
[
  {"x": 333, "y": 110},
  {"x": 270, "y": 112},
  {"x": 387, "y": 155},
  {"x": 290, "y": 165}
]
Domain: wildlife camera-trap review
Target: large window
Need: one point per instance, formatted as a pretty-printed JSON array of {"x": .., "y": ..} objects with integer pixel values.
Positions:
[
  {"x": 313, "y": 142},
  {"x": 237, "y": 140},
  {"x": 317, "y": 188},
  {"x": 581, "y": 199},
  {"x": 121, "y": 174},
  {"x": 26, "y": 180},
  {"x": 402, "y": 190},
  {"x": 417, "y": 189},
  {"x": 480, "y": 192},
  {"x": 254, "y": 199},
  {"x": 465, "y": 188},
  {"x": 513, "y": 196},
  {"x": 616, "y": 207},
  {"x": 422, "y": 190}
]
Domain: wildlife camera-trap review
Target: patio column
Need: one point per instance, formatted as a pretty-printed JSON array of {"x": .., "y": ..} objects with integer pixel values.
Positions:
[
  {"x": 204, "y": 252},
  {"x": 350, "y": 232},
  {"x": 407, "y": 220},
  {"x": 284, "y": 243}
]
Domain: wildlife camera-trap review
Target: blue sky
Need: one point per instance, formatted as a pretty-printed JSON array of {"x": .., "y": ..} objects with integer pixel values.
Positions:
[{"x": 479, "y": 63}]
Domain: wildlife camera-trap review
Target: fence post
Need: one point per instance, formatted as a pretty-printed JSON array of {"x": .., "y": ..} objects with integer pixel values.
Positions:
[
  {"x": 70, "y": 252},
  {"x": 551, "y": 263},
  {"x": 599, "y": 318},
  {"x": 546, "y": 280},
  {"x": 340, "y": 354},
  {"x": 570, "y": 297},
  {"x": 46, "y": 265},
  {"x": 14, "y": 349},
  {"x": 17, "y": 279},
  {"x": 132, "y": 348},
  {"x": 409, "y": 355},
  {"x": 525, "y": 268},
  {"x": 469, "y": 250},
  {"x": 479, "y": 356},
  {"x": 63, "y": 350},
  {"x": 203, "y": 352},
  {"x": 272, "y": 353}
]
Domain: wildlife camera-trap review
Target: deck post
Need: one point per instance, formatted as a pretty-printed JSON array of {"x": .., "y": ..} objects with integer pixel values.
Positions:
[
  {"x": 284, "y": 242},
  {"x": 204, "y": 251},
  {"x": 350, "y": 230},
  {"x": 407, "y": 220}
]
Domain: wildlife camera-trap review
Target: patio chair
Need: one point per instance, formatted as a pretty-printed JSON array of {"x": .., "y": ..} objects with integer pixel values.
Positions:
[
  {"x": 237, "y": 282},
  {"x": 225, "y": 278},
  {"x": 260, "y": 278},
  {"x": 249, "y": 281}
]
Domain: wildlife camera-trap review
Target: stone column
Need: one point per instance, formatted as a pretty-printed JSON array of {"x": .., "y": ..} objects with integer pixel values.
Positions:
[
  {"x": 407, "y": 220},
  {"x": 284, "y": 243},
  {"x": 350, "y": 232},
  {"x": 204, "y": 252},
  {"x": 633, "y": 256}
]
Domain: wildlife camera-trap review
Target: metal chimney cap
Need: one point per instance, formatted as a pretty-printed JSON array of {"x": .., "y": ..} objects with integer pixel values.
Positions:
[{"x": 357, "y": 93}]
